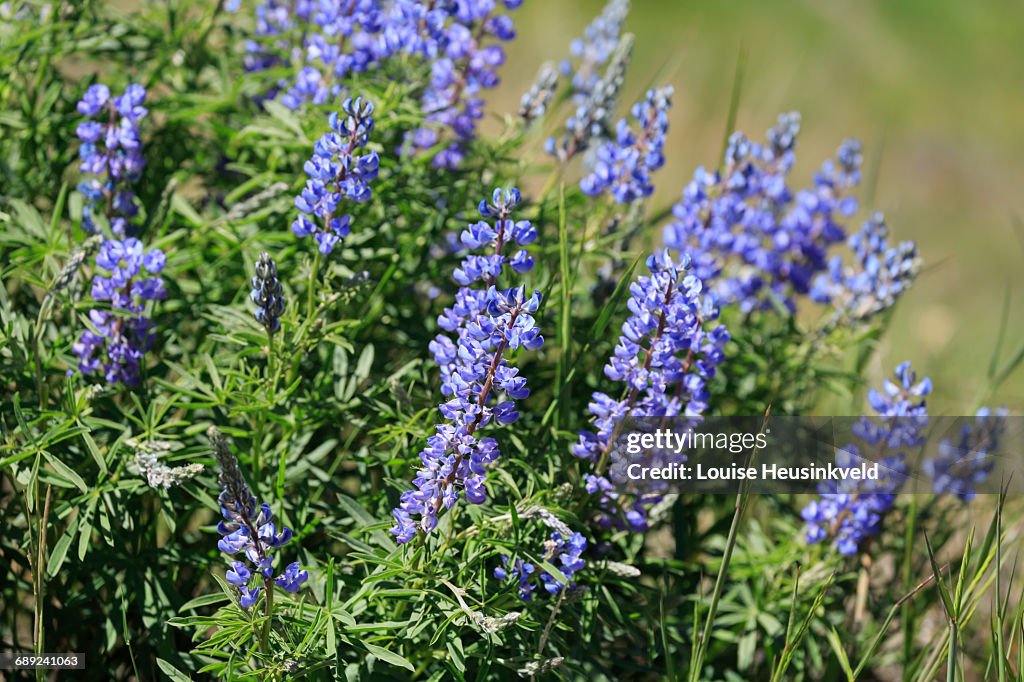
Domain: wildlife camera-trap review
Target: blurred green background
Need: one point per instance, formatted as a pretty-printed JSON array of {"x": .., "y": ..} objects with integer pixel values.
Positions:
[{"x": 934, "y": 89}]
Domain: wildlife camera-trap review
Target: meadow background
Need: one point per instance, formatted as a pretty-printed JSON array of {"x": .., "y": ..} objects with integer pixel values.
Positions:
[{"x": 934, "y": 89}]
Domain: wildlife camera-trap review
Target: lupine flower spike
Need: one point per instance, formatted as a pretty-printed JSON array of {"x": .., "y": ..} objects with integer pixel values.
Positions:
[
  {"x": 465, "y": 65},
  {"x": 123, "y": 333},
  {"x": 486, "y": 322},
  {"x": 534, "y": 102},
  {"x": 336, "y": 173},
  {"x": 882, "y": 274},
  {"x": 851, "y": 511},
  {"x": 667, "y": 354},
  {"x": 593, "y": 50},
  {"x": 623, "y": 166},
  {"x": 961, "y": 466},
  {"x": 752, "y": 238},
  {"x": 563, "y": 551},
  {"x": 248, "y": 530},
  {"x": 267, "y": 294},
  {"x": 592, "y": 119},
  {"x": 112, "y": 151}
]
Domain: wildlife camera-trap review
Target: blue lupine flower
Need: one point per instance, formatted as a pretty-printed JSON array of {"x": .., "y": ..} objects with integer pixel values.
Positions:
[
  {"x": 624, "y": 166},
  {"x": 247, "y": 528},
  {"x": 124, "y": 334},
  {"x": 851, "y": 511},
  {"x": 292, "y": 578},
  {"x": 337, "y": 173},
  {"x": 591, "y": 122},
  {"x": 267, "y": 294},
  {"x": 569, "y": 552},
  {"x": 667, "y": 354},
  {"x": 239, "y": 574},
  {"x": 881, "y": 275},
  {"x": 961, "y": 466},
  {"x": 751, "y": 237},
  {"x": 112, "y": 150},
  {"x": 464, "y": 66},
  {"x": 247, "y": 597},
  {"x": 522, "y": 570},
  {"x": 485, "y": 322},
  {"x": 565, "y": 553},
  {"x": 593, "y": 50},
  {"x": 332, "y": 41}
]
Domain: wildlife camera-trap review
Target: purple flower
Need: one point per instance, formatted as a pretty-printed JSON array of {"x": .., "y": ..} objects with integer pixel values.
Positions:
[
  {"x": 248, "y": 597},
  {"x": 591, "y": 122},
  {"x": 849, "y": 512},
  {"x": 292, "y": 578},
  {"x": 592, "y": 51},
  {"x": 624, "y": 166},
  {"x": 565, "y": 553},
  {"x": 120, "y": 338},
  {"x": 753, "y": 239},
  {"x": 483, "y": 324},
  {"x": 665, "y": 357},
  {"x": 523, "y": 572},
  {"x": 879, "y": 277},
  {"x": 247, "y": 529},
  {"x": 463, "y": 65},
  {"x": 337, "y": 173},
  {"x": 962, "y": 465},
  {"x": 111, "y": 149}
]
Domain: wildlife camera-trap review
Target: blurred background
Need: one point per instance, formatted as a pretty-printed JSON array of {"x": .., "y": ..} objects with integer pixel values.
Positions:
[{"x": 934, "y": 89}]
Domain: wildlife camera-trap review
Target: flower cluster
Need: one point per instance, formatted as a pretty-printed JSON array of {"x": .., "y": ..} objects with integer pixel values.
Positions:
[
  {"x": 592, "y": 119},
  {"x": 535, "y": 101},
  {"x": 567, "y": 549},
  {"x": 881, "y": 275},
  {"x": 333, "y": 40},
  {"x": 625, "y": 164},
  {"x": 336, "y": 172},
  {"x": 112, "y": 151},
  {"x": 593, "y": 50},
  {"x": 267, "y": 294},
  {"x": 485, "y": 322},
  {"x": 851, "y": 511},
  {"x": 665, "y": 358},
  {"x": 269, "y": 46},
  {"x": 753, "y": 238},
  {"x": 124, "y": 333},
  {"x": 466, "y": 64},
  {"x": 329, "y": 42},
  {"x": 961, "y": 466},
  {"x": 247, "y": 528}
]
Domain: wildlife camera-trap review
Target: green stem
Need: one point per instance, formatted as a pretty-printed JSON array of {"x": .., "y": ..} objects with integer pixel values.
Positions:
[
  {"x": 268, "y": 586},
  {"x": 951, "y": 662},
  {"x": 311, "y": 292},
  {"x": 700, "y": 646},
  {"x": 270, "y": 375}
]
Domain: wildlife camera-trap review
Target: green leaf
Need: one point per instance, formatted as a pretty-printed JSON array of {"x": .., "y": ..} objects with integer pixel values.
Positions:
[
  {"x": 172, "y": 672},
  {"x": 837, "y": 648},
  {"x": 205, "y": 600},
  {"x": 60, "y": 552},
  {"x": 388, "y": 656},
  {"x": 66, "y": 472}
]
